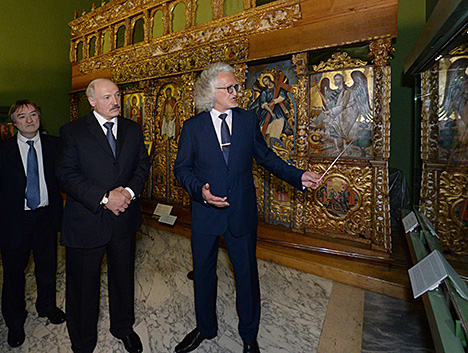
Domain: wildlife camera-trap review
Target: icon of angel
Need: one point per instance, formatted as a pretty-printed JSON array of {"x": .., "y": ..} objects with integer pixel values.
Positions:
[
  {"x": 346, "y": 108},
  {"x": 453, "y": 115}
]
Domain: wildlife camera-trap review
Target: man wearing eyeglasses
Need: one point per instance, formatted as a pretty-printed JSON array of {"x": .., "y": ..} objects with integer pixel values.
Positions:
[{"x": 214, "y": 164}]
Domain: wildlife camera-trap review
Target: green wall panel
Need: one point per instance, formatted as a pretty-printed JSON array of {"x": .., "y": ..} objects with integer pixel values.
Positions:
[
  {"x": 34, "y": 64},
  {"x": 404, "y": 137}
]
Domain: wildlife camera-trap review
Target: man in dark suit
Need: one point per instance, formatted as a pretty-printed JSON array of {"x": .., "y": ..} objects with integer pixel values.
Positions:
[
  {"x": 215, "y": 167},
  {"x": 103, "y": 168},
  {"x": 30, "y": 216}
]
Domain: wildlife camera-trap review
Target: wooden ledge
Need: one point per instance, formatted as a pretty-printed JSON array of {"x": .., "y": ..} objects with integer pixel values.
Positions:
[{"x": 333, "y": 258}]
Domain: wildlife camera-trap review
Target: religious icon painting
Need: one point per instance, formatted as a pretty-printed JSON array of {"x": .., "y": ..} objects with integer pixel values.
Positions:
[
  {"x": 453, "y": 109},
  {"x": 134, "y": 107},
  {"x": 7, "y": 130},
  {"x": 170, "y": 111},
  {"x": 337, "y": 197},
  {"x": 272, "y": 100},
  {"x": 341, "y": 113},
  {"x": 461, "y": 214}
]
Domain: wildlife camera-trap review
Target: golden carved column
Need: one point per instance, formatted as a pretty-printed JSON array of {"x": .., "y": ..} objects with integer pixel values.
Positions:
[
  {"x": 429, "y": 138},
  {"x": 249, "y": 4},
  {"x": 218, "y": 9},
  {"x": 147, "y": 25},
  {"x": 166, "y": 19},
  {"x": 300, "y": 93},
  {"x": 128, "y": 31},
  {"x": 381, "y": 50}
]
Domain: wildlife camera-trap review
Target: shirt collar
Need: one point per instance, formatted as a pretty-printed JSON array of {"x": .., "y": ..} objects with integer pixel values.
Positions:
[
  {"x": 216, "y": 113},
  {"x": 101, "y": 120},
  {"x": 23, "y": 139}
]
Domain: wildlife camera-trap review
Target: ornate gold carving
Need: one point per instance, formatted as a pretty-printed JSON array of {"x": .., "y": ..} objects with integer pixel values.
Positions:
[
  {"x": 243, "y": 96},
  {"x": 279, "y": 200},
  {"x": 429, "y": 144},
  {"x": 299, "y": 201},
  {"x": 143, "y": 65},
  {"x": 460, "y": 50},
  {"x": 444, "y": 187},
  {"x": 339, "y": 61},
  {"x": 429, "y": 118},
  {"x": 429, "y": 192},
  {"x": 382, "y": 80},
  {"x": 381, "y": 50},
  {"x": 225, "y": 29},
  {"x": 218, "y": 9},
  {"x": 74, "y": 101},
  {"x": 381, "y": 226},
  {"x": 300, "y": 94},
  {"x": 453, "y": 194},
  {"x": 357, "y": 223}
]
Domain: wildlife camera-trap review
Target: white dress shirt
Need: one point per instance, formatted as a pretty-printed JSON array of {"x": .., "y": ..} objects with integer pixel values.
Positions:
[
  {"x": 101, "y": 120},
  {"x": 217, "y": 123}
]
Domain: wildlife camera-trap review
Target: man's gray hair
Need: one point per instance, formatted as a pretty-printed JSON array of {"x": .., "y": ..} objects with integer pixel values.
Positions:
[
  {"x": 90, "y": 89},
  {"x": 204, "y": 90}
]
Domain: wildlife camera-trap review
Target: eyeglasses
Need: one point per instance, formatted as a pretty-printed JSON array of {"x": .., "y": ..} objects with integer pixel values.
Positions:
[{"x": 231, "y": 88}]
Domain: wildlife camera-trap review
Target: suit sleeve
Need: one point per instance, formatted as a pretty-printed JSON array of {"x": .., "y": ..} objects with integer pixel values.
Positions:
[
  {"x": 69, "y": 175},
  {"x": 184, "y": 165}
]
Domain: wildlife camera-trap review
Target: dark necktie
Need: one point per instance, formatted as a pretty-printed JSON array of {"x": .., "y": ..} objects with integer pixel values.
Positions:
[
  {"x": 110, "y": 136},
  {"x": 32, "y": 178},
  {"x": 225, "y": 136}
]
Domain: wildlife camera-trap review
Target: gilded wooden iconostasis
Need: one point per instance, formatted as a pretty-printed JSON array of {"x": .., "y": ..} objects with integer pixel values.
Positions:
[
  {"x": 444, "y": 149},
  {"x": 311, "y": 106}
]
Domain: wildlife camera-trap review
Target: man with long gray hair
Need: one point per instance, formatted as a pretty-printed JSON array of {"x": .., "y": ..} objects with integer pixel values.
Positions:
[{"x": 214, "y": 164}]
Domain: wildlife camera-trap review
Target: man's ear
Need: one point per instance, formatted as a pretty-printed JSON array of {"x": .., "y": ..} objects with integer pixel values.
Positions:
[{"x": 91, "y": 101}]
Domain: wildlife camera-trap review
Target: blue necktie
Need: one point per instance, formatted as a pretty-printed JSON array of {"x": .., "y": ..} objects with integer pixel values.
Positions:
[
  {"x": 225, "y": 136},
  {"x": 32, "y": 182},
  {"x": 110, "y": 136}
]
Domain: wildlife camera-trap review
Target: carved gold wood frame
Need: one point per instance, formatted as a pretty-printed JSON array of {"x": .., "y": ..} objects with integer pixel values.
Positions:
[
  {"x": 165, "y": 186},
  {"x": 444, "y": 185},
  {"x": 370, "y": 222}
]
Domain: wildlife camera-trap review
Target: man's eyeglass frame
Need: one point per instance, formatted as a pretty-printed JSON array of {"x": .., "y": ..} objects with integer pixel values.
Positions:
[{"x": 230, "y": 88}]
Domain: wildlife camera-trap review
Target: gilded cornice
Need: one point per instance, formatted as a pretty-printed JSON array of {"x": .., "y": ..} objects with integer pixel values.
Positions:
[
  {"x": 256, "y": 18},
  {"x": 339, "y": 61},
  {"x": 224, "y": 39}
]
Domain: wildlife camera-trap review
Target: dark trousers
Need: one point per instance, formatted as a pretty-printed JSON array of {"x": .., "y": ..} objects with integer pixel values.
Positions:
[
  {"x": 242, "y": 254},
  {"x": 83, "y": 272},
  {"x": 40, "y": 238}
]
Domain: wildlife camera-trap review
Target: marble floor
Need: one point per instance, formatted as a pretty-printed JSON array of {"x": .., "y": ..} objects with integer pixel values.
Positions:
[{"x": 301, "y": 312}]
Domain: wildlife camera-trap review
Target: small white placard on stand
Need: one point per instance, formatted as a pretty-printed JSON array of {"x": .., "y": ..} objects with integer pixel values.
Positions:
[
  {"x": 162, "y": 209},
  {"x": 429, "y": 272},
  {"x": 168, "y": 219},
  {"x": 410, "y": 222},
  {"x": 163, "y": 212}
]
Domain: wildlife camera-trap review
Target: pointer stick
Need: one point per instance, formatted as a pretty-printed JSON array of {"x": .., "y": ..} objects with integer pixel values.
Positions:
[{"x": 336, "y": 159}]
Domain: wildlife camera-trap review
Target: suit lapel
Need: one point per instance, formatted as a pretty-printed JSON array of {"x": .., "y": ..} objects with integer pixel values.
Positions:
[
  {"x": 237, "y": 133},
  {"x": 47, "y": 162},
  {"x": 14, "y": 156},
  {"x": 212, "y": 142},
  {"x": 96, "y": 130},
  {"x": 121, "y": 132}
]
